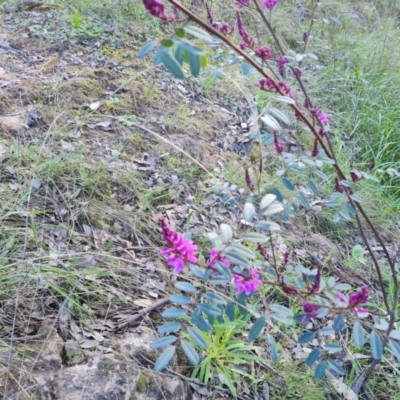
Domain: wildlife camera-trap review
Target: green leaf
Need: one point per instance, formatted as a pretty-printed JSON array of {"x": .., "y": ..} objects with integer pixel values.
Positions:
[
  {"x": 199, "y": 33},
  {"x": 209, "y": 310},
  {"x": 287, "y": 184},
  {"x": 198, "y": 272},
  {"x": 249, "y": 212},
  {"x": 285, "y": 100},
  {"x": 186, "y": 287},
  {"x": 320, "y": 370},
  {"x": 336, "y": 367},
  {"x": 230, "y": 311},
  {"x": 274, "y": 350},
  {"x": 255, "y": 237},
  {"x": 339, "y": 323},
  {"x": 172, "y": 65},
  {"x": 243, "y": 250},
  {"x": 333, "y": 347},
  {"x": 245, "y": 68},
  {"x": 313, "y": 187},
  {"x": 180, "y": 33},
  {"x": 158, "y": 56},
  {"x": 219, "y": 280},
  {"x": 268, "y": 226},
  {"x": 164, "y": 341},
  {"x": 395, "y": 334},
  {"x": 179, "y": 55},
  {"x": 306, "y": 337},
  {"x": 266, "y": 201},
  {"x": 174, "y": 313},
  {"x": 147, "y": 48},
  {"x": 358, "y": 334},
  {"x": 164, "y": 358},
  {"x": 190, "y": 352},
  {"x": 169, "y": 327},
  {"x": 194, "y": 63},
  {"x": 327, "y": 330},
  {"x": 321, "y": 175},
  {"x": 304, "y": 200},
  {"x": 279, "y": 309},
  {"x": 203, "y": 61},
  {"x": 179, "y": 299},
  {"x": 167, "y": 43},
  {"x": 188, "y": 47},
  {"x": 313, "y": 357},
  {"x": 256, "y": 328},
  {"x": 395, "y": 347},
  {"x": 226, "y": 232},
  {"x": 238, "y": 259},
  {"x": 214, "y": 298},
  {"x": 282, "y": 319},
  {"x": 376, "y": 345},
  {"x": 273, "y": 209},
  {"x": 201, "y": 323},
  {"x": 197, "y": 337}
]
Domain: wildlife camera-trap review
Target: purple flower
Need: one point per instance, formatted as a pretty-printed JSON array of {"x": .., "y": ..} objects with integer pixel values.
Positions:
[
  {"x": 248, "y": 40},
  {"x": 263, "y": 252},
  {"x": 314, "y": 151},
  {"x": 310, "y": 309},
  {"x": 281, "y": 63},
  {"x": 247, "y": 284},
  {"x": 355, "y": 175},
  {"x": 286, "y": 90},
  {"x": 179, "y": 250},
  {"x": 361, "y": 312},
  {"x": 225, "y": 28},
  {"x": 305, "y": 37},
  {"x": 290, "y": 290},
  {"x": 270, "y": 4},
  {"x": 339, "y": 188},
  {"x": 278, "y": 145},
  {"x": 249, "y": 183},
  {"x": 360, "y": 297},
  {"x": 266, "y": 84},
  {"x": 156, "y": 8},
  {"x": 210, "y": 18},
  {"x": 263, "y": 52},
  {"x": 372, "y": 165},
  {"x": 216, "y": 257},
  {"x": 314, "y": 288},
  {"x": 320, "y": 115},
  {"x": 242, "y": 3}
]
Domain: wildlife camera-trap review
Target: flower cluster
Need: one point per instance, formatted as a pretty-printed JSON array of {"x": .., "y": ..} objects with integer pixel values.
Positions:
[
  {"x": 242, "y": 3},
  {"x": 156, "y": 8},
  {"x": 320, "y": 115},
  {"x": 354, "y": 300},
  {"x": 269, "y": 4},
  {"x": 263, "y": 52},
  {"x": 249, "y": 183},
  {"x": 266, "y": 84},
  {"x": 278, "y": 144},
  {"x": 315, "y": 150},
  {"x": 247, "y": 284},
  {"x": 216, "y": 257},
  {"x": 281, "y": 64},
  {"x": 316, "y": 285},
  {"x": 223, "y": 27},
  {"x": 179, "y": 250},
  {"x": 309, "y": 309},
  {"x": 305, "y": 37},
  {"x": 247, "y": 39}
]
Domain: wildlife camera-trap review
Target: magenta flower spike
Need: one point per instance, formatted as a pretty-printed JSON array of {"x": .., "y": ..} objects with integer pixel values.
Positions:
[
  {"x": 269, "y": 4},
  {"x": 247, "y": 284},
  {"x": 179, "y": 250},
  {"x": 156, "y": 8}
]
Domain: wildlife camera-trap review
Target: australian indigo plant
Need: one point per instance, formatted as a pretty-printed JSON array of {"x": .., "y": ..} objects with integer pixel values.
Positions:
[{"x": 241, "y": 259}]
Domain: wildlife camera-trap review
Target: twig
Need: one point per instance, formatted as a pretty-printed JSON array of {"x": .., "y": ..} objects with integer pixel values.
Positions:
[{"x": 144, "y": 311}]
